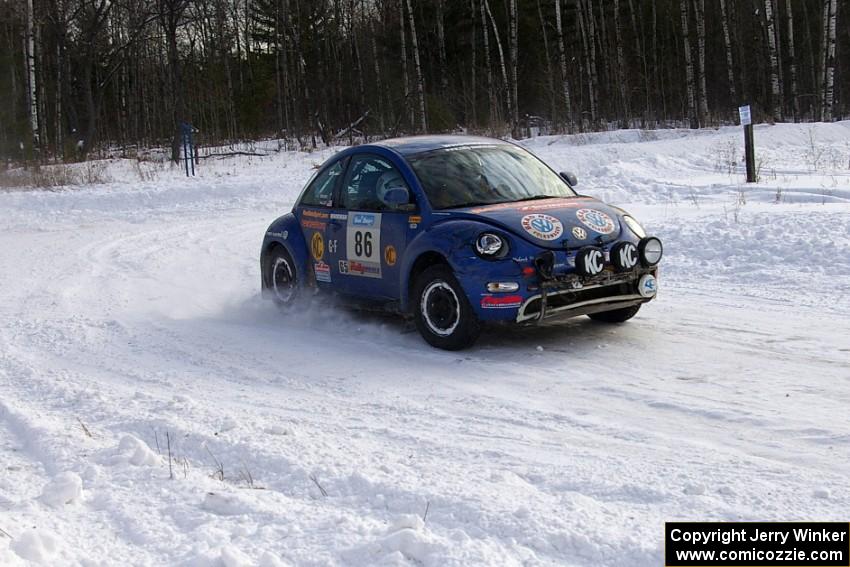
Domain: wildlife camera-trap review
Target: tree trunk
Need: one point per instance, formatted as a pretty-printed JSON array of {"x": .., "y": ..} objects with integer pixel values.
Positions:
[
  {"x": 589, "y": 38},
  {"x": 727, "y": 43},
  {"x": 562, "y": 60},
  {"x": 405, "y": 78},
  {"x": 491, "y": 94},
  {"x": 792, "y": 58},
  {"x": 420, "y": 80},
  {"x": 473, "y": 91},
  {"x": 550, "y": 84},
  {"x": 378, "y": 79},
  {"x": 829, "y": 61},
  {"x": 441, "y": 48},
  {"x": 640, "y": 49},
  {"x": 775, "y": 88},
  {"x": 703, "y": 95},
  {"x": 514, "y": 80},
  {"x": 622, "y": 81},
  {"x": 505, "y": 81},
  {"x": 689, "y": 65},
  {"x": 32, "y": 90}
]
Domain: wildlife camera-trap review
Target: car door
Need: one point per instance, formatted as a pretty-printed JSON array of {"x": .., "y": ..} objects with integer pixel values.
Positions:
[
  {"x": 370, "y": 240},
  {"x": 314, "y": 211}
]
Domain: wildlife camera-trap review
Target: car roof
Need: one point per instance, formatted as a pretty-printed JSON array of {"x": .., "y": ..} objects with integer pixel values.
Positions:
[{"x": 412, "y": 145}]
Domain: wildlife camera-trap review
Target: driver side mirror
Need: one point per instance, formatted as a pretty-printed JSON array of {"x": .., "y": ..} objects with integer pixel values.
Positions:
[
  {"x": 397, "y": 198},
  {"x": 569, "y": 177}
]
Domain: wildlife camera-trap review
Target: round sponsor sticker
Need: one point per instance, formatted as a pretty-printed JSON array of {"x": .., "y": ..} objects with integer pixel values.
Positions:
[
  {"x": 596, "y": 220},
  {"x": 648, "y": 285},
  {"x": 390, "y": 255},
  {"x": 317, "y": 245},
  {"x": 542, "y": 226}
]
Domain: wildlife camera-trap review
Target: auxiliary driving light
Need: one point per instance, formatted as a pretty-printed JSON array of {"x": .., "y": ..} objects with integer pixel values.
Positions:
[
  {"x": 651, "y": 250},
  {"x": 590, "y": 261},
  {"x": 625, "y": 256}
]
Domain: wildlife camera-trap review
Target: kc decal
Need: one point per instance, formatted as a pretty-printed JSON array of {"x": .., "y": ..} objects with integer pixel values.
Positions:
[
  {"x": 596, "y": 220},
  {"x": 590, "y": 261},
  {"x": 390, "y": 255},
  {"x": 317, "y": 246},
  {"x": 542, "y": 226},
  {"x": 625, "y": 255}
]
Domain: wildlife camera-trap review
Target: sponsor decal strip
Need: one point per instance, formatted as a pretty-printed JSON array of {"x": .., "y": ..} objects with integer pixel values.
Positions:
[{"x": 501, "y": 301}]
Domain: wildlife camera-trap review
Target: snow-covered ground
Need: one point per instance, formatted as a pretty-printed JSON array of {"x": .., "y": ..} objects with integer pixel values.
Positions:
[{"x": 131, "y": 322}]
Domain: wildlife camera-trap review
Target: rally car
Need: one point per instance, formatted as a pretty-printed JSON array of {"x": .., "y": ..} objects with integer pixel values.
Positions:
[{"x": 456, "y": 232}]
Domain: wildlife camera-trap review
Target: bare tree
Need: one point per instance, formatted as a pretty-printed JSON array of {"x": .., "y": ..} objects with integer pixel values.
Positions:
[
  {"x": 792, "y": 58},
  {"x": 831, "y": 10},
  {"x": 689, "y": 65},
  {"x": 473, "y": 91},
  {"x": 553, "y": 112},
  {"x": 588, "y": 32},
  {"x": 727, "y": 43},
  {"x": 514, "y": 47},
  {"x": 405, "y": 77},
  {"x": 441, "y": 47},
  {"x": 491, "y": 93},
  {"x": 32, "y": 90},
  {"x": 420, "y": 79},
  {"x": 622, "y": 81},
  {"x": 640, "y": 49},
  {"x": 562, "y": 60},
  {"x": 775, "y": 88},
  {"x": 505, "y": 82},
  {"x": 699, "y": 6}
]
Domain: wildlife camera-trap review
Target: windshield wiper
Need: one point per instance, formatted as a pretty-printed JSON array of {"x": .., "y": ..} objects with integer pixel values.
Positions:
[
  {"x": 476, "y": 204},
  {"x": 538, "y": 197}
]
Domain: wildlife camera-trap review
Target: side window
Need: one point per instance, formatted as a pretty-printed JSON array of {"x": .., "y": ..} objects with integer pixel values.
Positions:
[
  {"x": 320, "y": 193},
  {"x": 369, "y": 184}
]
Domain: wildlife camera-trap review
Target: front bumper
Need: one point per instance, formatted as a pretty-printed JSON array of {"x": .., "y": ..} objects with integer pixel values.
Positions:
[{"x": 571, "y": 296}]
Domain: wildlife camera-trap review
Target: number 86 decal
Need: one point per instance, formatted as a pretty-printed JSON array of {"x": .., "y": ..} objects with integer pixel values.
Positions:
[{"x": 363, "y": 244}]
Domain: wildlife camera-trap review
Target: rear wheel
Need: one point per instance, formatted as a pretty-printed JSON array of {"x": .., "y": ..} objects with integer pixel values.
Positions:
[
  {"x": 617, "y": 315},
  {"x": 282, "y": 278},
  {"x": 442, "y": 313}
]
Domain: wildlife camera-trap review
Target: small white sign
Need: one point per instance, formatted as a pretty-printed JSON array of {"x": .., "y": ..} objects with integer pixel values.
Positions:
[{"x": 744, "y": 113}]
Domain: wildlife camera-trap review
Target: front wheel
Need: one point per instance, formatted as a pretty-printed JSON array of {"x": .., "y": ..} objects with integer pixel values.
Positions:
[
  {"x": 616, "y": 315},
  {"x": 442, "y": 313}
]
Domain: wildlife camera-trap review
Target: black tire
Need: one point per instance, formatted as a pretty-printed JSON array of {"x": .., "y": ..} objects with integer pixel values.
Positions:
[
  {"x": 617, "y": 315},
  {"x": 282, "y": 278},
  {"x": 441, "y": 311}
]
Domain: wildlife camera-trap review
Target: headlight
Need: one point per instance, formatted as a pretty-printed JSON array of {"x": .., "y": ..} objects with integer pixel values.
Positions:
[
  {"x": 491, "y": 245},
  {"x": 634, "y": 226},
  {"x": 651, "y": 250}
]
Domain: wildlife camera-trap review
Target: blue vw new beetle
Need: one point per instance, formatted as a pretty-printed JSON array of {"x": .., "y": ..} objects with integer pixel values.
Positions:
[{"x": 458, "y": 231}]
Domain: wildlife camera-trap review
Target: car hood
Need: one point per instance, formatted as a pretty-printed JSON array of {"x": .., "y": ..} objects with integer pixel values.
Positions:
[{"x": 553, "y": 223}]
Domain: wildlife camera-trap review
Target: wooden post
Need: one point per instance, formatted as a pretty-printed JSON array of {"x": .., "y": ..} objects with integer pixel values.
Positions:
[
  {"x": 750, "y": 152},
  {"x": 749, "y": 147}
]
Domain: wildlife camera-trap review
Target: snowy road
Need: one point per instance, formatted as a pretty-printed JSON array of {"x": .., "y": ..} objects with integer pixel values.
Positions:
[{"x": 131, "y": 312}]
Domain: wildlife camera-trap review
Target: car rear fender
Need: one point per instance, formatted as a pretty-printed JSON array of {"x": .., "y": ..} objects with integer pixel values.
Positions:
[{"x": 286, "y": 232}]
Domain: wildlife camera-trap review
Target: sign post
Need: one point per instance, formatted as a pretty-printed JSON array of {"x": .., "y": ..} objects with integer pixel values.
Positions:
[
  {"x": 189, "y": 149},
  {"x": 749, "y": 146}
]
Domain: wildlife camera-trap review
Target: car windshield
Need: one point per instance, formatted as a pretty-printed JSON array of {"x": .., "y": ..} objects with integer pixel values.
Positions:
[{"x": 485, "y": 175}]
